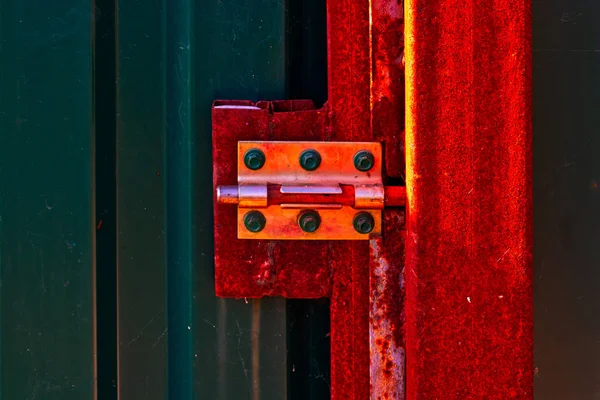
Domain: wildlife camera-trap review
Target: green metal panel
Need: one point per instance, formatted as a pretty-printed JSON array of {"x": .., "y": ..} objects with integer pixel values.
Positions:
[
  {"x": 160, "y": 325},
  {"x": 140, "y": 197},
  {"x": 180, "y": 188},
  {"x": 163, "y": 176},
  {"x": 104, "y": 108},
  {"x": 47, "y": 225},
  {"x": 566, "y": 179},
  {"x": 241, "y": 345}
]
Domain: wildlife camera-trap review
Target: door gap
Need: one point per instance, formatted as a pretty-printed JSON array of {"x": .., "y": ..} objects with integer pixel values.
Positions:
[
  {"x": 308, "y": 321},
  {"x": 104, "y": 108}
]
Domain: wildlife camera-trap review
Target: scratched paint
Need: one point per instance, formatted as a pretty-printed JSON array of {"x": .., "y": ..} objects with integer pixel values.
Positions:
[
  {"x": 386, "y": 307},
  {"x": 386, "y": 311}
]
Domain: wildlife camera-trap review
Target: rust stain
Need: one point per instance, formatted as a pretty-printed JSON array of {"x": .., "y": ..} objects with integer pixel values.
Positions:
[{"x": 386, "y": 312}]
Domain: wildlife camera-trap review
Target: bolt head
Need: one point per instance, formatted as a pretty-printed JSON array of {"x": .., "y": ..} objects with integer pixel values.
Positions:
[
  {"x": 309, "y": 221},
  {"x": 254, "y": 221},
  {"x": 364, "y": 223},
  {"x": 254, "y": 159},
  {"x": 310, "y": 160},
  {"x": 364, "y": 160}
]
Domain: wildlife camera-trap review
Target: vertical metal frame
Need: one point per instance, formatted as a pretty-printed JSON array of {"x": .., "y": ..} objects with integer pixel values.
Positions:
[{"x": 469, "y": 305}]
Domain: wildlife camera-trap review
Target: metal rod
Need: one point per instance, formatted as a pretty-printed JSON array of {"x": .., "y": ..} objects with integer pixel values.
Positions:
[{"x": 395, "y": 196}]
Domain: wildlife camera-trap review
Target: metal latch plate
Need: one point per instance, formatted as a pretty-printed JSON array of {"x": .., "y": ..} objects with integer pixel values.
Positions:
[
  {"x": 282, "y": 163},
  {"x": 282, "y": 167},
  {"x": 282, "y": 224}
]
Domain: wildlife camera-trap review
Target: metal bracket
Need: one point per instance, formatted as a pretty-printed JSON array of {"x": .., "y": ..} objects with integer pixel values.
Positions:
[{"x": 308, "y": 190}]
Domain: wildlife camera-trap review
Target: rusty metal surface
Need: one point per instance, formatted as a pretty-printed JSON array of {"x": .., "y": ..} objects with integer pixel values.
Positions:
[
  {"x": 257, "y": 268},
  {"x": 469, "y": 307},
  {"x": 386, "y": 322},
  {"x": 366, "y": 103},
  {"x": 386, "y": 313}
]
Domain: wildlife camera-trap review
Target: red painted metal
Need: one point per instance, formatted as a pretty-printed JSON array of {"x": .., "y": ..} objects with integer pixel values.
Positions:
[
  {"x": 366, "y": 94},
  {"x": 364, "y": 280},
  {"x": 469, "y": 223},
  {"x": 256, "y": 268},
  {"x": 394, "y": 196},
  {"x": 387, "y": 86},
  {"x": 349, "y": 79},
  {"x": 468, "y": 303}
]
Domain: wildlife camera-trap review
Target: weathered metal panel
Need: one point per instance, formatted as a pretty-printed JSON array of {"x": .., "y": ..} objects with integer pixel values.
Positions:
[
  {"x": 47, "y": 227},
  {"x": 140, "y": 231},
  {"x": 469, "y": 192},
  {"x": 256, "y": 268},
  {"x": 367, "y": 102},
  {"x": 386, "y": 313}
]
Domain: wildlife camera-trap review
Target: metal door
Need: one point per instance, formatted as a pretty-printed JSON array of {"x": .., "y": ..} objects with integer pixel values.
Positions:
[{"x": 106, "y": 234}]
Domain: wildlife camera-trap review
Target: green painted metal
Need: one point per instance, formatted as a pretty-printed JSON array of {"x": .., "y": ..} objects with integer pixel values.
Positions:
[
  {"x": 566, "y": 193},
  {"x": 254, "y": 159},
  {"x": 254, "y": 221},
  {"x": 140, "y": 197},
  {"x": 310, "y": 160},
  {"x": 138, "y": 188},
  {"x": 180, "y": 202},
  {"x": 106, "y": 251},
  {"x": 47, "y": 221},
  {"x": 308, "y": 350},
  {"x": 240, "y": 345},
  {"x": 164, "y": 203}
]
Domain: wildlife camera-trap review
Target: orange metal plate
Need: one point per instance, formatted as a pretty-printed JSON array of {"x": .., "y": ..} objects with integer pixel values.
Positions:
[
  {"x": 282, "y": 167},
  {"x": 336, "y": 224},
  {"x": 337, "y": 163}
]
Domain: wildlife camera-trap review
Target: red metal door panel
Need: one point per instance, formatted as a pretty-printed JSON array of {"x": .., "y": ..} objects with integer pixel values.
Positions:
[
  {"x": 366, "y": 103},
  {"x": 468, "y": 243},
  {"x": 469, "y": 271},
  {"x": 365, "y": 89}
]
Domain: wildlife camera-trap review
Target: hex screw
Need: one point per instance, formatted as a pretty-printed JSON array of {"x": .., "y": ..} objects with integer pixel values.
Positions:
[
  {"x": 309, "y": 221},
  {"x": 254, "y": 221},
  {"x": 364, "y": 160},
  {"x": 363, "y": 223},
  {"x": 254, "y": 159},
  {"x": 310, "y": 159}
]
